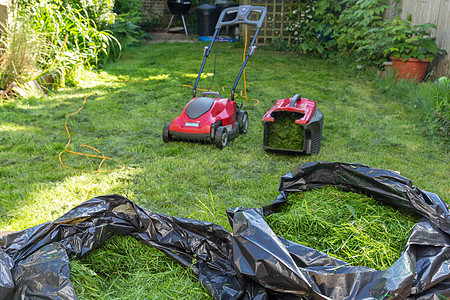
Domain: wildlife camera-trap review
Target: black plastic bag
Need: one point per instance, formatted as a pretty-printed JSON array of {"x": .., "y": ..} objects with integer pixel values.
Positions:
[{"x": 251, "y": 263}]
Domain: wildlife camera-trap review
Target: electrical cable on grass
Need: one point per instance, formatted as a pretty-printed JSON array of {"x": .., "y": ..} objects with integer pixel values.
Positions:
[{"x": 104, "y": 158}]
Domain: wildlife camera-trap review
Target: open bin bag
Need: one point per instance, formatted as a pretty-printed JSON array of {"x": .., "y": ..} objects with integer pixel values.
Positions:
[{"x": 251, "y": 262}]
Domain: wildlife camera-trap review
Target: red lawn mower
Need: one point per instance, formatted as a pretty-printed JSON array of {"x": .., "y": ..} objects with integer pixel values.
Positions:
[{"x": 216, "y": 120}]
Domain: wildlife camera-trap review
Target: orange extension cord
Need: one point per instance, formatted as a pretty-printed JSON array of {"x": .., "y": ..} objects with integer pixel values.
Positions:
[{"x": 100, "y": 156}]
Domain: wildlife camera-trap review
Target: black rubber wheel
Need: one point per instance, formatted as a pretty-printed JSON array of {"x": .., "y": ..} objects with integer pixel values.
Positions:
[
  {"x": 242, "y": 118},
  {"x": 166, "y": 135},
  {"x": 221, "y": 137}
]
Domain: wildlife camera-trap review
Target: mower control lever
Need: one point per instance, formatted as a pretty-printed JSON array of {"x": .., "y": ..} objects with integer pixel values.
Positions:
[
  {"x": 217, "y": 94},
  {"x": 294, "y": 100},
  {"x": 252, "y": 50},
  {"x": 205, "y": 51}
]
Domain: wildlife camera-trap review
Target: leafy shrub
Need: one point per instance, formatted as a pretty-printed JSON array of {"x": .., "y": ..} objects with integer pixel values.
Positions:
[
  {"x": 49, "y": 39},
  {"x": 72, "y": 35},
  {"x": 127, "y": 26},
  {"x": 357, "y": 28},
  {"x": 126, "y": 29},
  {"x": 313, "y": 25},
  {"x": 130, "y": 7},
  {"x": 355, "y": 32},
  {"x": 99, "y": 11},
  {"x": 399, "y": 39}
]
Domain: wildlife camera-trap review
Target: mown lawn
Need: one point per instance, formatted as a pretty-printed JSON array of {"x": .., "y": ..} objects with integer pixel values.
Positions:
[{"x": 127, "y": 105}]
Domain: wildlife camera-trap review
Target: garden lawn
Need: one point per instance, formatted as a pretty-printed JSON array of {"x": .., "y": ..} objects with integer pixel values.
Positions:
[{"x": 127, "y": 105}]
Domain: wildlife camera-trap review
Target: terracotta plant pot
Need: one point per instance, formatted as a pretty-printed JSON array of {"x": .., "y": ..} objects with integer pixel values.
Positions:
[{"x": 412, "y": 68}]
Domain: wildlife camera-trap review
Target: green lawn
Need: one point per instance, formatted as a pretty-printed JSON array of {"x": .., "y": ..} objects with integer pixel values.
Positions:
[{"x": 128, "y": 104}]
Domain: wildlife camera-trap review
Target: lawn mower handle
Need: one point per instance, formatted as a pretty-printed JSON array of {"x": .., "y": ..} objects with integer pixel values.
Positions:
[
  {"x": 294, "y": 100},
  {"x": 242, "y": 14},
  {"x": 243, "y": 11}
]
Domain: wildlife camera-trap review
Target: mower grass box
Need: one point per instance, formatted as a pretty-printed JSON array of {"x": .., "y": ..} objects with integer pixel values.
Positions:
[{"x": 293, "y": 126}]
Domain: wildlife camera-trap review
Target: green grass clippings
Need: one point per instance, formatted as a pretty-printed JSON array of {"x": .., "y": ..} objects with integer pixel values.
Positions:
[{"x": 283, "y": 133}]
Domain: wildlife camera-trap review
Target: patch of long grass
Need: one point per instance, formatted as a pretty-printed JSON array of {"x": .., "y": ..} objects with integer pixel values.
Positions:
[
  {"x": 430, "y": 99},
  {"x": 21, "y": 51}
]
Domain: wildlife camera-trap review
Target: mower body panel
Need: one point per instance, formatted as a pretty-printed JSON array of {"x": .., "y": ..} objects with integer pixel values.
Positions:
[
  {"x": 309, "y": 119},
  {"x": 201, "y": 116},
  {"x": 304, "y": 106}
]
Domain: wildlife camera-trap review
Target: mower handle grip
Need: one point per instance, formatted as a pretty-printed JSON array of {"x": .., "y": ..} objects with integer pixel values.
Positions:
[
  {"x": 208, "y": 93},
  {"x": 294, "y": 100},
  {"x": 242, "y": 14}
]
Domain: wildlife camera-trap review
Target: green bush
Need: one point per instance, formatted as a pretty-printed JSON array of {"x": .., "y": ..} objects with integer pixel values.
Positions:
[
  {"x": 99, "y": 11},
  {"x": 357, "y": 29},
  {"x": 355, "y": 33},
  {"x": 399, "y": 39},
  {"x": 313, "y": 25},
  {"x": 71, "y": 34},
  {"x": 48, "y": 39},
  {"x": 127, "y": 30}
]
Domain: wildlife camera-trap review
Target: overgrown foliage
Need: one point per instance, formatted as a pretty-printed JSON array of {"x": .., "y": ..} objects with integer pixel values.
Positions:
[
  {"x": 99, "y": 11},
  {"x": 313, "y": 25},
  {"x": 355, "y": 33},
  {"x": 357, "y": 28},
  {"x": 21, "y": 48},
  {"x": 431, "y": 98},
  {"x": 399, "y": 39},
  {"x": 51, "y": 38},
  {"x": 130, "y": 17}
]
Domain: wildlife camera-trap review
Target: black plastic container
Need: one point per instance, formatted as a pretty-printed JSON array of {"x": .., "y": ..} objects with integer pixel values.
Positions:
[
  {"x": 207, "y": 16},
  {"x": 222, "y": 4}
]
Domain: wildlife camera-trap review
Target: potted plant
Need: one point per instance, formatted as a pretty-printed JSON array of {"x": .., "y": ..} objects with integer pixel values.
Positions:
[{"x": 410, "y": 48}]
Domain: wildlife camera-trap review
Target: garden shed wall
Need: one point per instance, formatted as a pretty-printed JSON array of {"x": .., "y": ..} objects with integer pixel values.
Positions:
[{"x": 154, "y": 8}]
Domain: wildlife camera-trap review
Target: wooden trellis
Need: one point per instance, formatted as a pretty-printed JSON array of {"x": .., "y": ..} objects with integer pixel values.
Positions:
[{"x": 274, "y": 26}]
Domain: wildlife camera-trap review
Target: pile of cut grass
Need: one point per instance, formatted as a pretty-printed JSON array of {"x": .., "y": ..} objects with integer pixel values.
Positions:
[
  {"x": 124, "y": 268},
  {"x": 352, "y": 227},
  {"x": 283, "y": 133}
]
